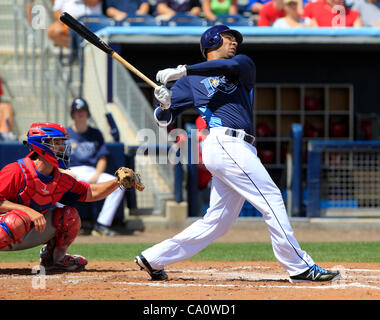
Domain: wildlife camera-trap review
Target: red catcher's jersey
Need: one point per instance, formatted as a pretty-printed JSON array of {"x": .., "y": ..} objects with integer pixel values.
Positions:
[{"x": 21, "y": 184}]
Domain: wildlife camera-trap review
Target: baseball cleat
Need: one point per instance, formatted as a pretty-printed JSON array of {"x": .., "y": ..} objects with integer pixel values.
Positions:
[
  {"x": 316, "y": 274},
  {"x": 68, "y": 263},
  {"x": 101, "y": 230},
  {"x": 46, "y": 255},
  {"x": 157, "y": 275}
]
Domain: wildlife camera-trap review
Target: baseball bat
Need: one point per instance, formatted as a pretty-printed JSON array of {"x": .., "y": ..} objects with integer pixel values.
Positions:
[{"x": 91, "y": 37}]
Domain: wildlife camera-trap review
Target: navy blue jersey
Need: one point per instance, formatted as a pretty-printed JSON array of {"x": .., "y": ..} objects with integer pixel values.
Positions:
[
  {"x": 87, "y": 147},
  {"x": 221, "y": 90}
]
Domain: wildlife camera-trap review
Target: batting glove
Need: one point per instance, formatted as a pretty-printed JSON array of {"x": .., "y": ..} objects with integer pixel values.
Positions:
[
  {"x": 163, "y": 95},
  {"x": 171, "y": 74}
]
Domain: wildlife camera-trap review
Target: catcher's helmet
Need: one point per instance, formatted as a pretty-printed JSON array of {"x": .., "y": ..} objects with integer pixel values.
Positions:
[
  {"x": 50, "y": 141},
  {"x": 78, "y": 104},
  {"x": 212, "y": 38}
]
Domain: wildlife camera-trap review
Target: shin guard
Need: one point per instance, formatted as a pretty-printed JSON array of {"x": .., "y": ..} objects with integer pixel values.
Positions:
[
  {"x": 67, "y": 223},
  {"x": 13, "y": 226}
]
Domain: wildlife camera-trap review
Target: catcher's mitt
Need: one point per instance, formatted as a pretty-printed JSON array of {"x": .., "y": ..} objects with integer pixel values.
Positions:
[{"x": 128, "y": 178}]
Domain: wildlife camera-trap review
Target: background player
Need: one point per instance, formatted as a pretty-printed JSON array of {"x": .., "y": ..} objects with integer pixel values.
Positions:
[
  {"x": 222, "y": 90},
  {"x": 29, "y": 190},
  {"x": 89, "y": 161}
]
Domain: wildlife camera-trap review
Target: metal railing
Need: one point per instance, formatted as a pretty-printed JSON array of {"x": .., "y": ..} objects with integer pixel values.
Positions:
[
  {"x": 135, "y": 106},
  {"x": 42, "y": 63},
  {"x": 128, "y": 95}
]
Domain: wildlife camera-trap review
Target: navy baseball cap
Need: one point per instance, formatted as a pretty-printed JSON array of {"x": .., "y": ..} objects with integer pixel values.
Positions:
[{"x": 79, "y": 104}]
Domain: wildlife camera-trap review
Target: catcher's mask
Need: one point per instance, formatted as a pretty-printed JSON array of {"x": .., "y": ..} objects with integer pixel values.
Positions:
[
  {"x": 212, "y": 37},
  {"x": 50, "y": 141}
]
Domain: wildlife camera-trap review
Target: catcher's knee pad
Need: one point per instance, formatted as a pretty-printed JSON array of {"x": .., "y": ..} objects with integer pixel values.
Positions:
[
  {"x": 13, "y": 226},
  {"x": 67, "y": 223}
]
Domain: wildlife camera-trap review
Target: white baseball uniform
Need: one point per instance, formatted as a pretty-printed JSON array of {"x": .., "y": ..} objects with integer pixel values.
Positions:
[{"x": 224, "y": 100}]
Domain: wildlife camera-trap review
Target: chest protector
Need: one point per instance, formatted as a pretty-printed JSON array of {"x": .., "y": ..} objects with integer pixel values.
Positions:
[{"x": 38, "y": 195}]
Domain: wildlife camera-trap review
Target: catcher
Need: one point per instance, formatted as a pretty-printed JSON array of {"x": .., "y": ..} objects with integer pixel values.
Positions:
[{"x": 30, "y": 189}]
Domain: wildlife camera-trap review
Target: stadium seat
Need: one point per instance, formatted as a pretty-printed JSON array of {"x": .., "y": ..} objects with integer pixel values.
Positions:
[
  {"x": 96, "y": 22},
  {"x": 138, "y": 20},
  {"x": 249, "y": 211},
  {"x": 233, "y": 20},
  {"x": 184, "y": 19},
  {"x": 11, "y": 151}
]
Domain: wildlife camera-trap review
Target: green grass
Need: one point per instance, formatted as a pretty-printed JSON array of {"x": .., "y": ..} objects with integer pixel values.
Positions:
[{"x": 247, "y": 251}]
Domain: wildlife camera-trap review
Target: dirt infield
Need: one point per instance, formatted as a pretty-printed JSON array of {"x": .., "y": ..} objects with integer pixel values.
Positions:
[
  {"x": 188, "y": 281},
  {"x": 254, "y": 280}
]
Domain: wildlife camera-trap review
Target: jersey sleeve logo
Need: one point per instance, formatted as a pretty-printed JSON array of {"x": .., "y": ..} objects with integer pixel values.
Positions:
[
  {"x": 222, "y": 84},
  {"x": 85, "y": 149}
]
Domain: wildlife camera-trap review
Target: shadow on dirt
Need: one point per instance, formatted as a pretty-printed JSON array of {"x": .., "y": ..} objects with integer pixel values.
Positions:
[{"x": 33, "y": 272}]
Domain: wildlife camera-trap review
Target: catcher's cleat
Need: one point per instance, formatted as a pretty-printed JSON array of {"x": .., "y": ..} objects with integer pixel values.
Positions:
[
  {"x": 157, "y": 275},
  {"x": 68, "y": 263},
  {"x": 316, "y": 274},
  {"x": 46, "y": 255}
]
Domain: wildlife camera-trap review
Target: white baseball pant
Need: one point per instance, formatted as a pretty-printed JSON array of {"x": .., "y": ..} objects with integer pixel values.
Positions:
[
  {"x": 238, "y": 175},
  {"x": 111, "y": 203}
]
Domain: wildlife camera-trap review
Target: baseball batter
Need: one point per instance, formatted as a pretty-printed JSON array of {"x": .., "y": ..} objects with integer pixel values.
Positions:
[{"x": 221, "y": 89}]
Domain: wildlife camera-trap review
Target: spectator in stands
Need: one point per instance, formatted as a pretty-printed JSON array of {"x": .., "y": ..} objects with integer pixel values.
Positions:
[
  {"x": 270, "y": 12},
  {"x": 369, "y": 12},
  {"x": 256, "y": 5},
  {"x": 213, "y": 8},
  {"x": 331, "y": 13},
  {"x": 59, "y": 32},
  {"x": 292, "y": 17},
  {"x": 119, "y": 9},
  {"x": 89, "y": 161},
  {"x": 6, "y": 118},
  {"x": 165, "y": 9}
]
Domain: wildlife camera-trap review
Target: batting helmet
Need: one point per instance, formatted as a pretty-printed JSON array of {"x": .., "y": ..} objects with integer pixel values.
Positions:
[
  {"x": 42, "y": 139},
  {"x": 212, "y": 38},
  {"x": 79, "y": 104}
]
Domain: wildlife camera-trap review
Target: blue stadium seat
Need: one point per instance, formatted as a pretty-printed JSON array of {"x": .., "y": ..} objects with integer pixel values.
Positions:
[
  {"x": 11, "y": 151},
  {"x": 96, "y": 22},
  {"x": 138, "y": 20},
  {"x": 184, "y": 19},
  {"x": 249, "y": 211},
  {"x": 246, "y": 211},
  {"x": 233, "y": 20}
]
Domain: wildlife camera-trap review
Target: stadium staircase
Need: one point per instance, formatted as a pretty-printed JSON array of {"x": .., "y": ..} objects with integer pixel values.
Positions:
[
  {"x": 40, "y": 84},
  {"x": 35, "y": 79}
]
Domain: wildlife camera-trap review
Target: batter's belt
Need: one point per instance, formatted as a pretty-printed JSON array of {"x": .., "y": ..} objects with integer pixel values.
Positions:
[{"x": 241, "y": 135}]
